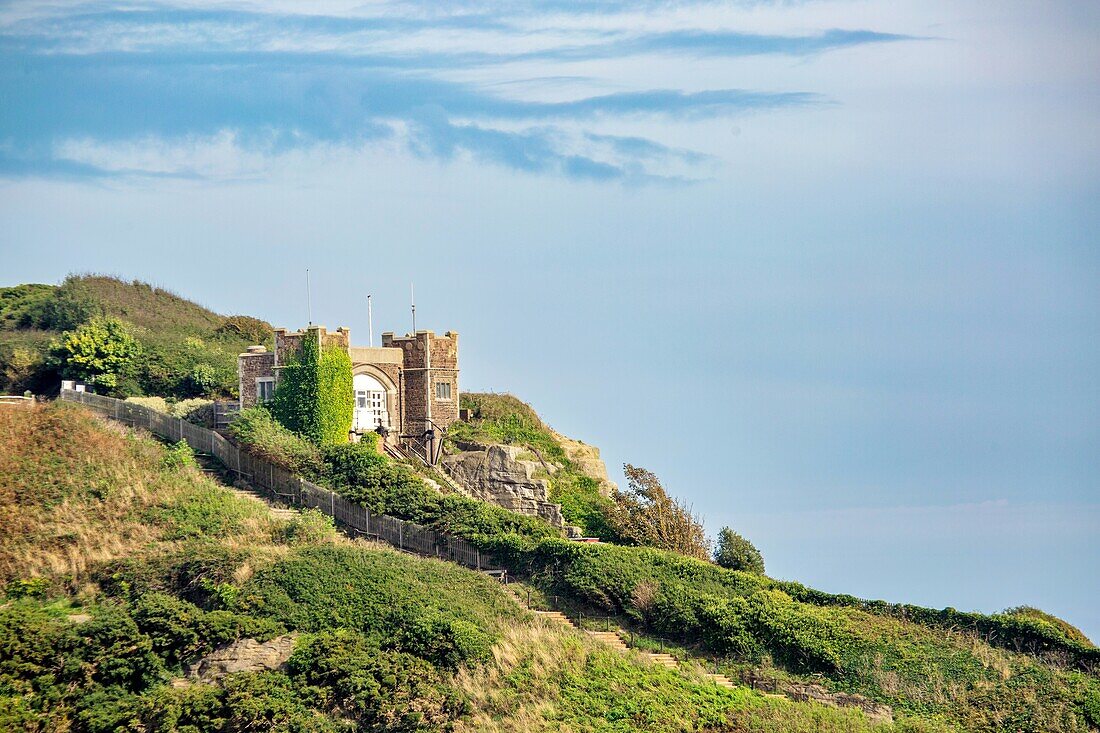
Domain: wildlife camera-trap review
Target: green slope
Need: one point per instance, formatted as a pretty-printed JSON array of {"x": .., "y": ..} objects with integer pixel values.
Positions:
[
  {"x": 127, "y": 564},
  {"x": 179, "y": 339}
]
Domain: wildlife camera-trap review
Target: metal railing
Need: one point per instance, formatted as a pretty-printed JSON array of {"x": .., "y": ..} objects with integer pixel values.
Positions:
[{"x": 284, "y": 486}]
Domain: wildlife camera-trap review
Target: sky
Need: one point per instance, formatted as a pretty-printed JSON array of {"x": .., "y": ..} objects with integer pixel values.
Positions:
[{"x": 830, "y": 269}]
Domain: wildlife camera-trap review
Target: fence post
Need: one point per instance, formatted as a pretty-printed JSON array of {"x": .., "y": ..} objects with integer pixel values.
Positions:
[
  {"x": 332, "y": 504},
  {"x": 477, "y": 555},
  {"x": 401, "y": 535},
  {"x": 181, "y": 428}
]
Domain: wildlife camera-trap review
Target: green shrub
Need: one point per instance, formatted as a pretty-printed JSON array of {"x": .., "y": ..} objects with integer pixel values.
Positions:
[
  {"x": 98, "y": 351},
  {"x": 204, "y": 509},
  {"x": 382, "y": 690},
  {"x": 203, "y": 380},
  {"x": 258, "y": 431},
  {"x": 734, "y": 552},
  {"x": 445, "y": 642},
  {"x": 310, "y": 527},
  {"x": 245, "y": 328},
  {"x": 582, "y": 504},
  {"x": 197, "y": 571},
  {"x": 270, "y": 702},
  {"x": 425, "y": 607},
  {"x": 28, "y": 588},
  {"x": 181, "y": 631},
  {"x": 179, "y": 455},
  {"x": 502, "y": 418}
]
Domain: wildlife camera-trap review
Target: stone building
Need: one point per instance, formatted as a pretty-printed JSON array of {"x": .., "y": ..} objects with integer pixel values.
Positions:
[{"x": 407, "y": 386}]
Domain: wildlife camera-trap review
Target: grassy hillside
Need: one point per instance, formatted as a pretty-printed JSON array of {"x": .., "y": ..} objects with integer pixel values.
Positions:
[
  {"x": 1020, "y": 670},
  {"x": 184, "y": 349},
  {"x": 124, "y": 564}
]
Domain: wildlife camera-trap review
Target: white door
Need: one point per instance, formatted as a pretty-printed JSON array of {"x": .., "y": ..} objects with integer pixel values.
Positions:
[{"x": 370, "y": 403}]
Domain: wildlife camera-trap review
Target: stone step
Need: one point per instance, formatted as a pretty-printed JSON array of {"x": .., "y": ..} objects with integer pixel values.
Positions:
[
  {"x": 721, "y": 680},
  {"x": 665, "y": 660},
  {"x": 555, "y": 616}
]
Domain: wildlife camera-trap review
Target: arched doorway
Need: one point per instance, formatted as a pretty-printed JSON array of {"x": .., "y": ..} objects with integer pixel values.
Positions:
[{"x": 371, "y": 409}]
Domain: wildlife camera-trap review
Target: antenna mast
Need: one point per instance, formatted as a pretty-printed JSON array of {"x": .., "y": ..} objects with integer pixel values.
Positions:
[
  {"x": 412, "y": 299},
  {"x": 370, "y": 323},
  {"x": 309, "y": 305}
]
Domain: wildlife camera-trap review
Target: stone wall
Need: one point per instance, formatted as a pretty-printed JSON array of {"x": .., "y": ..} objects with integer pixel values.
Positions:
[
  {"x": 288, "y": 343},
  {"x": 418, "y": 386},
  {"x": 498, "y": 474},
  {"x": 402, "y": 359},
  {"x": 250, "y": 366}
]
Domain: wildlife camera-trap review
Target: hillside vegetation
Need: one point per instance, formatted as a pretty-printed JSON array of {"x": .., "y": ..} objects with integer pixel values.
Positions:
[
  {"x": 123, "y": 565},
  {"x": 126, "y": 565},
  {"x": 180, "y": 349}
]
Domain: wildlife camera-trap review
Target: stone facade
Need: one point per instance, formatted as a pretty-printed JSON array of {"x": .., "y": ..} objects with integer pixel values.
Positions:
[
  {"x": 418, "y": 374},
  {"x": 430, "y": 378},
  {"x": 254, "y": 364}
]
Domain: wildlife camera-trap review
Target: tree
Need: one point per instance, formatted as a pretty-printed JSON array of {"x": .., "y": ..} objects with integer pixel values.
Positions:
[
  {"x": 737, "y": 553},
  {"x": 646, "y": 515},
  {"x": 315, "y": 396},
  {"x": 98, "y": 352}
]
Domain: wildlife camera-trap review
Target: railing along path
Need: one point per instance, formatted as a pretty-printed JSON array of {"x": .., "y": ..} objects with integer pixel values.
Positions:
[{"x": 285, "y": 486}]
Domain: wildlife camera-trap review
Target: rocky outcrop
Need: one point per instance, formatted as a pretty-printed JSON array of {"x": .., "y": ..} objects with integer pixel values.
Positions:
[
  {"x": 877, "y": 712},
  {"x": 587, "y": 460},
  {"x": 246, "y": 655},
  {"x": 498, "y": 474}
]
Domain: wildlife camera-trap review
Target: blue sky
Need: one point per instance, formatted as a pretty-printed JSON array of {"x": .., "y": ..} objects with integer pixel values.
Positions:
[{"x": 830, "y": 269}]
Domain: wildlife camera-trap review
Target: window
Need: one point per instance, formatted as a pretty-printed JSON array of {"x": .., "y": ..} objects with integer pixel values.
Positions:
[
  {"x": 265, "y": 389},
  {"x": 443, "y": 390}
]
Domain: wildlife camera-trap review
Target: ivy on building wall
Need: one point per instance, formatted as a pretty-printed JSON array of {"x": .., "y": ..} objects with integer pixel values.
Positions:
[{"x": 314, "y": 396}]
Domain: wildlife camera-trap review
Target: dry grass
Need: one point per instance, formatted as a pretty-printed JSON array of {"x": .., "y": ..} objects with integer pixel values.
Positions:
[
  {"x": 543, "y": 652},
  {"x": 73, "y": 491}
]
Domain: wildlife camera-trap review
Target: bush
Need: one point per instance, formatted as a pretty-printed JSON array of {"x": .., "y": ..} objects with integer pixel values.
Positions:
[
  {"x": 28, "y": 588},
  {"x": 245, "y": 328},
  {"x": 310, "y": 527},
  {"x": 582, "y": 504},
  {"x": 258, "y": 431},
  {"x": 425, "y": 607},
  {"x": 734, "y": 552},
  {"x": 181, "y": 631},
  {"x": 203, "y": 380},
  {"x": 179, "y": 455},
  {"x": 98, "y": 351},
  {"x": 381, "y": 690}
]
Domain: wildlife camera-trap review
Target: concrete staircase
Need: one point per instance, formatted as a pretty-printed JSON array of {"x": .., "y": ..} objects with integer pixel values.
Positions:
[
  {"x": 211, "y": 467},
  {"x": 611, "y": 638},
  {"x": 721, "y": 680},
  {"x": 665, "y": 660}
]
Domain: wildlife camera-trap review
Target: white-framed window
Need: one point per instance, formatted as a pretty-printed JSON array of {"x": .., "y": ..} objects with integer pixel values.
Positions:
[
  {"x": 443, "y": 390},
  {"x": 265, "y": 389}
]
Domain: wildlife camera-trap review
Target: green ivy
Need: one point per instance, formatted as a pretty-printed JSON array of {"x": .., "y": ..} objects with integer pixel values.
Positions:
[{"x": 315, "y": 397}]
